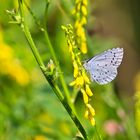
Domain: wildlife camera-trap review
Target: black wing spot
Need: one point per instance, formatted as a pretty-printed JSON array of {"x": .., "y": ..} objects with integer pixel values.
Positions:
[
  {"x": 115, "y": 64},
  {"x": 106, "y": 65},
  {"x": 99, "y": 77},
  {"x": 106, "y": 80}
]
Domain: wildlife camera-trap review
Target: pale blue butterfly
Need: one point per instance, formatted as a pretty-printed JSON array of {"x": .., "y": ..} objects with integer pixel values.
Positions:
[{"x": 103, "y": 67}]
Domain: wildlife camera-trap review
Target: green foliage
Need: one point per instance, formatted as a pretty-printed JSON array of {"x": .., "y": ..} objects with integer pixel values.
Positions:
[{"x": 29, "y": 109}]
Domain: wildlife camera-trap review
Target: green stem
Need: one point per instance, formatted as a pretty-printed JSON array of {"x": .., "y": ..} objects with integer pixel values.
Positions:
[
  {"x": 44, "y": 29},
  {"x": 28, "y": 35},
  {"x": 70, "y": 111},
  {"x": 34, "y": 17},
  {"x": 55, "y": 88},
  {"x": 67, "y": 94},
  {"x": 99, "y": 136}
]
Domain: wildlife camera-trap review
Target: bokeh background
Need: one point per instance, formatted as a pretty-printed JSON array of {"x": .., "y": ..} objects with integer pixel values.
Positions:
[{"x": 29, "y": 110}]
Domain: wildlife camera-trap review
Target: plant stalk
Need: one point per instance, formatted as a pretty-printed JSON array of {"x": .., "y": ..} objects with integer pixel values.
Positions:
[
  {"x": 49, "y": 45},
  {"x": 55, "y": 88}
]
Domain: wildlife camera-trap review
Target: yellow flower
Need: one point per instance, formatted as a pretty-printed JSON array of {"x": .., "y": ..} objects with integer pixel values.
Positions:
[
  {"x": 83, "y": 21},
  {"x": 84, "y": 47},
  {"x": 80, "y": 31},
  {"x": 78, "y": 82},
  {"x": 46, "y": 118},
  {"x": 75, "y": 72},
  {"x": 91, "y": 109},
  {"x": 85, "y": 77},
  {"x": 5, "y": 52},
  {"x": 75, "y": 69},
  {"x": 40, "y": 137},
  {"x": 90, "y": 116},
  {"x": 78, "y": 6},
  {"x": 86, "y": 114},
  {"x": 10, "y": 66},
  {"x": 88, "y": 90},
  {"x": 83, "y": 38},
  {"x": 85, "y": 2},
  {"x": 20, "y": 75},
  {"x": 85, "y": 97},
  {"x": 81, "y": 80},
  {"x": 92, "y": 120},
  {"x": 72, "y": 83},
  {"x": 79, "y": 61},
  {"x": 80, "y": 13},
  {"x": 77, "y": 24},
  {"x": 77, "y": 1},
  {"x": 65, "y": 128},
  {"x": 84, "y": 10}
]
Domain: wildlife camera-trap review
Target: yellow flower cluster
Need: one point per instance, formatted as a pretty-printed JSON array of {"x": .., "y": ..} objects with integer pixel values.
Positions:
[
  {"x": 40, "y": 137},
  {"x": 137, "y": 102},
  {"x": 81, "y": 81},
  {"x": 11, "y": 66},
  {"x": 80, "y": 13}
]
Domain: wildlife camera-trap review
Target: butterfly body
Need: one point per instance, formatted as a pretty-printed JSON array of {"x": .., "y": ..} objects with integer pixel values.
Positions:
[{"x": 103, "y": 67}]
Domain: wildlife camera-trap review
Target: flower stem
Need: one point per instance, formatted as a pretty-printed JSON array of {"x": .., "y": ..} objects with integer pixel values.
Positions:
[
  {"x": 67, "y": 95},
  {"x": 49, "y": 45},
  {"x": 70, "y": 111},
  {"x": 99, "y": 136},
  {"x": 48, "y": 42},
  {"x": 55, "y": 88}
]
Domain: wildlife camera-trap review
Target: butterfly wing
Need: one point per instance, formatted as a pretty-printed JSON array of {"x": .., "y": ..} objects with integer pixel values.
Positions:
[{"x": 103, "y": 67}]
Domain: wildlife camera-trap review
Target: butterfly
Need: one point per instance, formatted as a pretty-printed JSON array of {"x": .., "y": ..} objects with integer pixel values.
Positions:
[{"x": 103, "y": 67}]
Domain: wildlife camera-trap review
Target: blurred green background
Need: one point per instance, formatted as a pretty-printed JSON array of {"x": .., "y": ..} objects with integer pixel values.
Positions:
[{"x": 29, "y": 110}]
